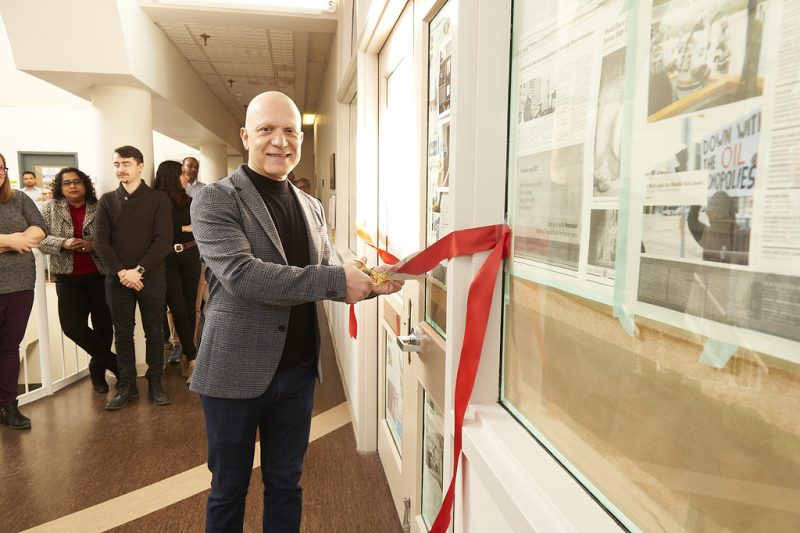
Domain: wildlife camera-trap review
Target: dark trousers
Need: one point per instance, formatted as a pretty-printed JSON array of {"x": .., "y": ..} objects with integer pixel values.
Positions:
[
  {"x": 122, "y": 302},
  {"x": 183, "y": 276},
  {"x": 80, "y": 297},
  {"x": 283, "y": 417},
  {"x": 15, "y": 309}
]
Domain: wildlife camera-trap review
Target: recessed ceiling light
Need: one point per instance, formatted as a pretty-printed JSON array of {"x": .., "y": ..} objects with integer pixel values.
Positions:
[{"x": 308, "y": 119}]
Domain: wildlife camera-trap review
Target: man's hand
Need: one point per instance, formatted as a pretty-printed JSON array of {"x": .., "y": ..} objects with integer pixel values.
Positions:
[
  {"x": 387, "y": 287},
  {"x": 359, "y": 284},
  {"x": 131, "y": 278}
]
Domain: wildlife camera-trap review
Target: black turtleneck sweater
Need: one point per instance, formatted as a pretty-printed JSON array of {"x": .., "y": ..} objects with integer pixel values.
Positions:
[{"x": 288, "y": 217}]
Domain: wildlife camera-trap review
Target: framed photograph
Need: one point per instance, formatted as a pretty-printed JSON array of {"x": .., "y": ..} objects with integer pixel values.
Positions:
[
  {"x": 333, "y": 172},
  {"x": 45, "y": 174}
]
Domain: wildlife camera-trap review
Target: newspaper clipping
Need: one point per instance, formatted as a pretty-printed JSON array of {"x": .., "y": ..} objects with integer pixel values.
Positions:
[
  {"x": 714, "y": 158},
  {"x": 565, "y": 160},
  {"x": 719, "y": 225}
]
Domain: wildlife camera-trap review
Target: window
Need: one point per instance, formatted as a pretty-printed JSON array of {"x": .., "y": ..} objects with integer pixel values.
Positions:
[
  {"x": 440, "y": 58},
  {"x": 652, "y": 302}
]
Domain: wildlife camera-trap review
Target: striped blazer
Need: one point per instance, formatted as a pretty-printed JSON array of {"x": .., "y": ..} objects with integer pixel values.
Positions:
[
  {"x": 59, "y": 225},
  {"x": 251, "y": 286}
]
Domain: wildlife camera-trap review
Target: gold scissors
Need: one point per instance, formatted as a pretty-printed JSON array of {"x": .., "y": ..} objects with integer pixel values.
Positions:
[
  {"x": 382, "y": 277},
  {"x": 377, "y": 277}
]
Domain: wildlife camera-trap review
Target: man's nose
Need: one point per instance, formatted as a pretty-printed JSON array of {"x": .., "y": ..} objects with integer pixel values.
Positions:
[{"x": 279, "y": 139}]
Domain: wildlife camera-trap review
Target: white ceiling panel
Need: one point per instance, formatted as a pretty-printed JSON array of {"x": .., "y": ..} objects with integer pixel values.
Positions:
[{"x": 255, "y": 58}]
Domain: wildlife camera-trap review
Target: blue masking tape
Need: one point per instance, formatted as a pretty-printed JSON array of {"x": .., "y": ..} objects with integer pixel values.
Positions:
[
  {"x": 626, "y": 318},
  {"x": 717, "y": 353}
]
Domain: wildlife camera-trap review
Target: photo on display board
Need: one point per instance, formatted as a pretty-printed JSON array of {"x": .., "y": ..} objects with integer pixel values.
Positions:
[
  {"x": 603, "y": 242},
  {"x": 704, "y": 209},
  {"x": 433, "y": 460},
  {"x": 608, "y": 128},
  {"x": 394, "y": 393},
  {"x": 703, "y": 55},
  {"x": 537, "y": 99},
  {"x": 548, "y": 206}
]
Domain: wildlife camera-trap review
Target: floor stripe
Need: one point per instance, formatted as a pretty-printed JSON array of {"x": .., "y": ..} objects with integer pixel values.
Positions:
[{"x": 141, "y": 502}]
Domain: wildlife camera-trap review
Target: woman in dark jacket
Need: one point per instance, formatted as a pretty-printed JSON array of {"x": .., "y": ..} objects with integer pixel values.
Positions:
[
  {"x": 79, "y": 274},
  {"x": 182, "y": 264}
]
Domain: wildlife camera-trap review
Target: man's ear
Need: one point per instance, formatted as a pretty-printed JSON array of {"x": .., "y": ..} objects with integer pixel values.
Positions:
[{"x": 244, "y": 136}]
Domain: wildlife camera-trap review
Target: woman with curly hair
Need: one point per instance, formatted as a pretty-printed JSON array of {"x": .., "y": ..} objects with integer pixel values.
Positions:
[
  {"x": 79, "y": 274},
  {"x": 183, "y": 263}
]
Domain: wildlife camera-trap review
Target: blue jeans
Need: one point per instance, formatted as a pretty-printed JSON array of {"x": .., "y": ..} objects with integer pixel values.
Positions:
[
  {"x": 122, "y": 303},
  {"x": 283, "y": 417}
]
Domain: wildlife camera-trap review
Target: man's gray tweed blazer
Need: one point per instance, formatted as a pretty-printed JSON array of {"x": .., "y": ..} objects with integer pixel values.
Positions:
[{"x": 251, "y": 287}]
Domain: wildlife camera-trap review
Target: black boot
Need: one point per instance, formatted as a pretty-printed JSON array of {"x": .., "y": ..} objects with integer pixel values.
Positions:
[
  {"x": 97, "y": 373},
  {"x": 156, "y": 393},
  {"x": 10, "y": 415},
  {"x": 125, "y": 393}
]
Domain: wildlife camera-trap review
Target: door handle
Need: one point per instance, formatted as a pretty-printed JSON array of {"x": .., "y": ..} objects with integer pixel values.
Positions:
[{"x": 410, "y": 343}]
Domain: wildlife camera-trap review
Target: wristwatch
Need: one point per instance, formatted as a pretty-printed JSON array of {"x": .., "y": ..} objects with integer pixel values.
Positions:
[{"x": 139, "y": 269}]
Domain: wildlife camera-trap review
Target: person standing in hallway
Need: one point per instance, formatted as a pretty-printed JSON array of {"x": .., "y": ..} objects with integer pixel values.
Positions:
[
  {"x": 190, "y": 170},
  {"x": 22, "y": 228},
  {"x": 29, "y": 187},
  {"x": 79, "y": 274},
  {"x": 182, "y": 264},
  {"x": 133, "y": 236},
  {"x": 304, "y": 185},
  {"x": 267, "y": 256}
]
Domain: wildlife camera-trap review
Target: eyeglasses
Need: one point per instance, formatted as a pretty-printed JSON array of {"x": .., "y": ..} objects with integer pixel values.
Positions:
[
  {"x": 3, "y": 169},
  {"x": 67, "y": 183}
]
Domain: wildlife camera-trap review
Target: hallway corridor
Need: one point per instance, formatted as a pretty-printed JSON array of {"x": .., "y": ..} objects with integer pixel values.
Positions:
[{"x": 82, "y": 468}]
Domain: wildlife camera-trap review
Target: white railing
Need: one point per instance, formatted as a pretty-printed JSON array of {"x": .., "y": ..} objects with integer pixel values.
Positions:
[{"x": 49, "y": 361}]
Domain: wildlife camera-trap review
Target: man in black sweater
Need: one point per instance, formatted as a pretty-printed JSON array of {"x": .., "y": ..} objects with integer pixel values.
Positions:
[
  {"x": 133, "y": 236},
  {"x": 267, "y": 258}
]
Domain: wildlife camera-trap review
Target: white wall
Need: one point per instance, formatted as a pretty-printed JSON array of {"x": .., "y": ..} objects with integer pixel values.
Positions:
[
  {"x": 165, "y": 148},
  {"x": 113, "y": 42},
  {"x": 307, "y": 166},
  {"x": 39, "y": 117},
  {"x": 326, "y": 138}
]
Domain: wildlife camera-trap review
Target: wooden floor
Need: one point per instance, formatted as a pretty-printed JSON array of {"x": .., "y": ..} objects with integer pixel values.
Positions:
[{"x": 142, "y": 468}]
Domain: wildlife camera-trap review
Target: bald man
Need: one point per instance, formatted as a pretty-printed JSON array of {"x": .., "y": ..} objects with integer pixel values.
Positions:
[
  {"x": 265, "y": 247},
  {"x": 190, "y": 168}
]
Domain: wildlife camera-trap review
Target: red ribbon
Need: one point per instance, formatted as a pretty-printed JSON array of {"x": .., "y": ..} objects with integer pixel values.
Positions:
[{"x": 479, "y": 299}]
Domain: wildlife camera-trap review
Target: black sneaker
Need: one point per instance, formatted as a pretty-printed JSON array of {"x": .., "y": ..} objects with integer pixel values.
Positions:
[
  {"x": 125, "y": 393},
  {"x": 156, "y": 393}
]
